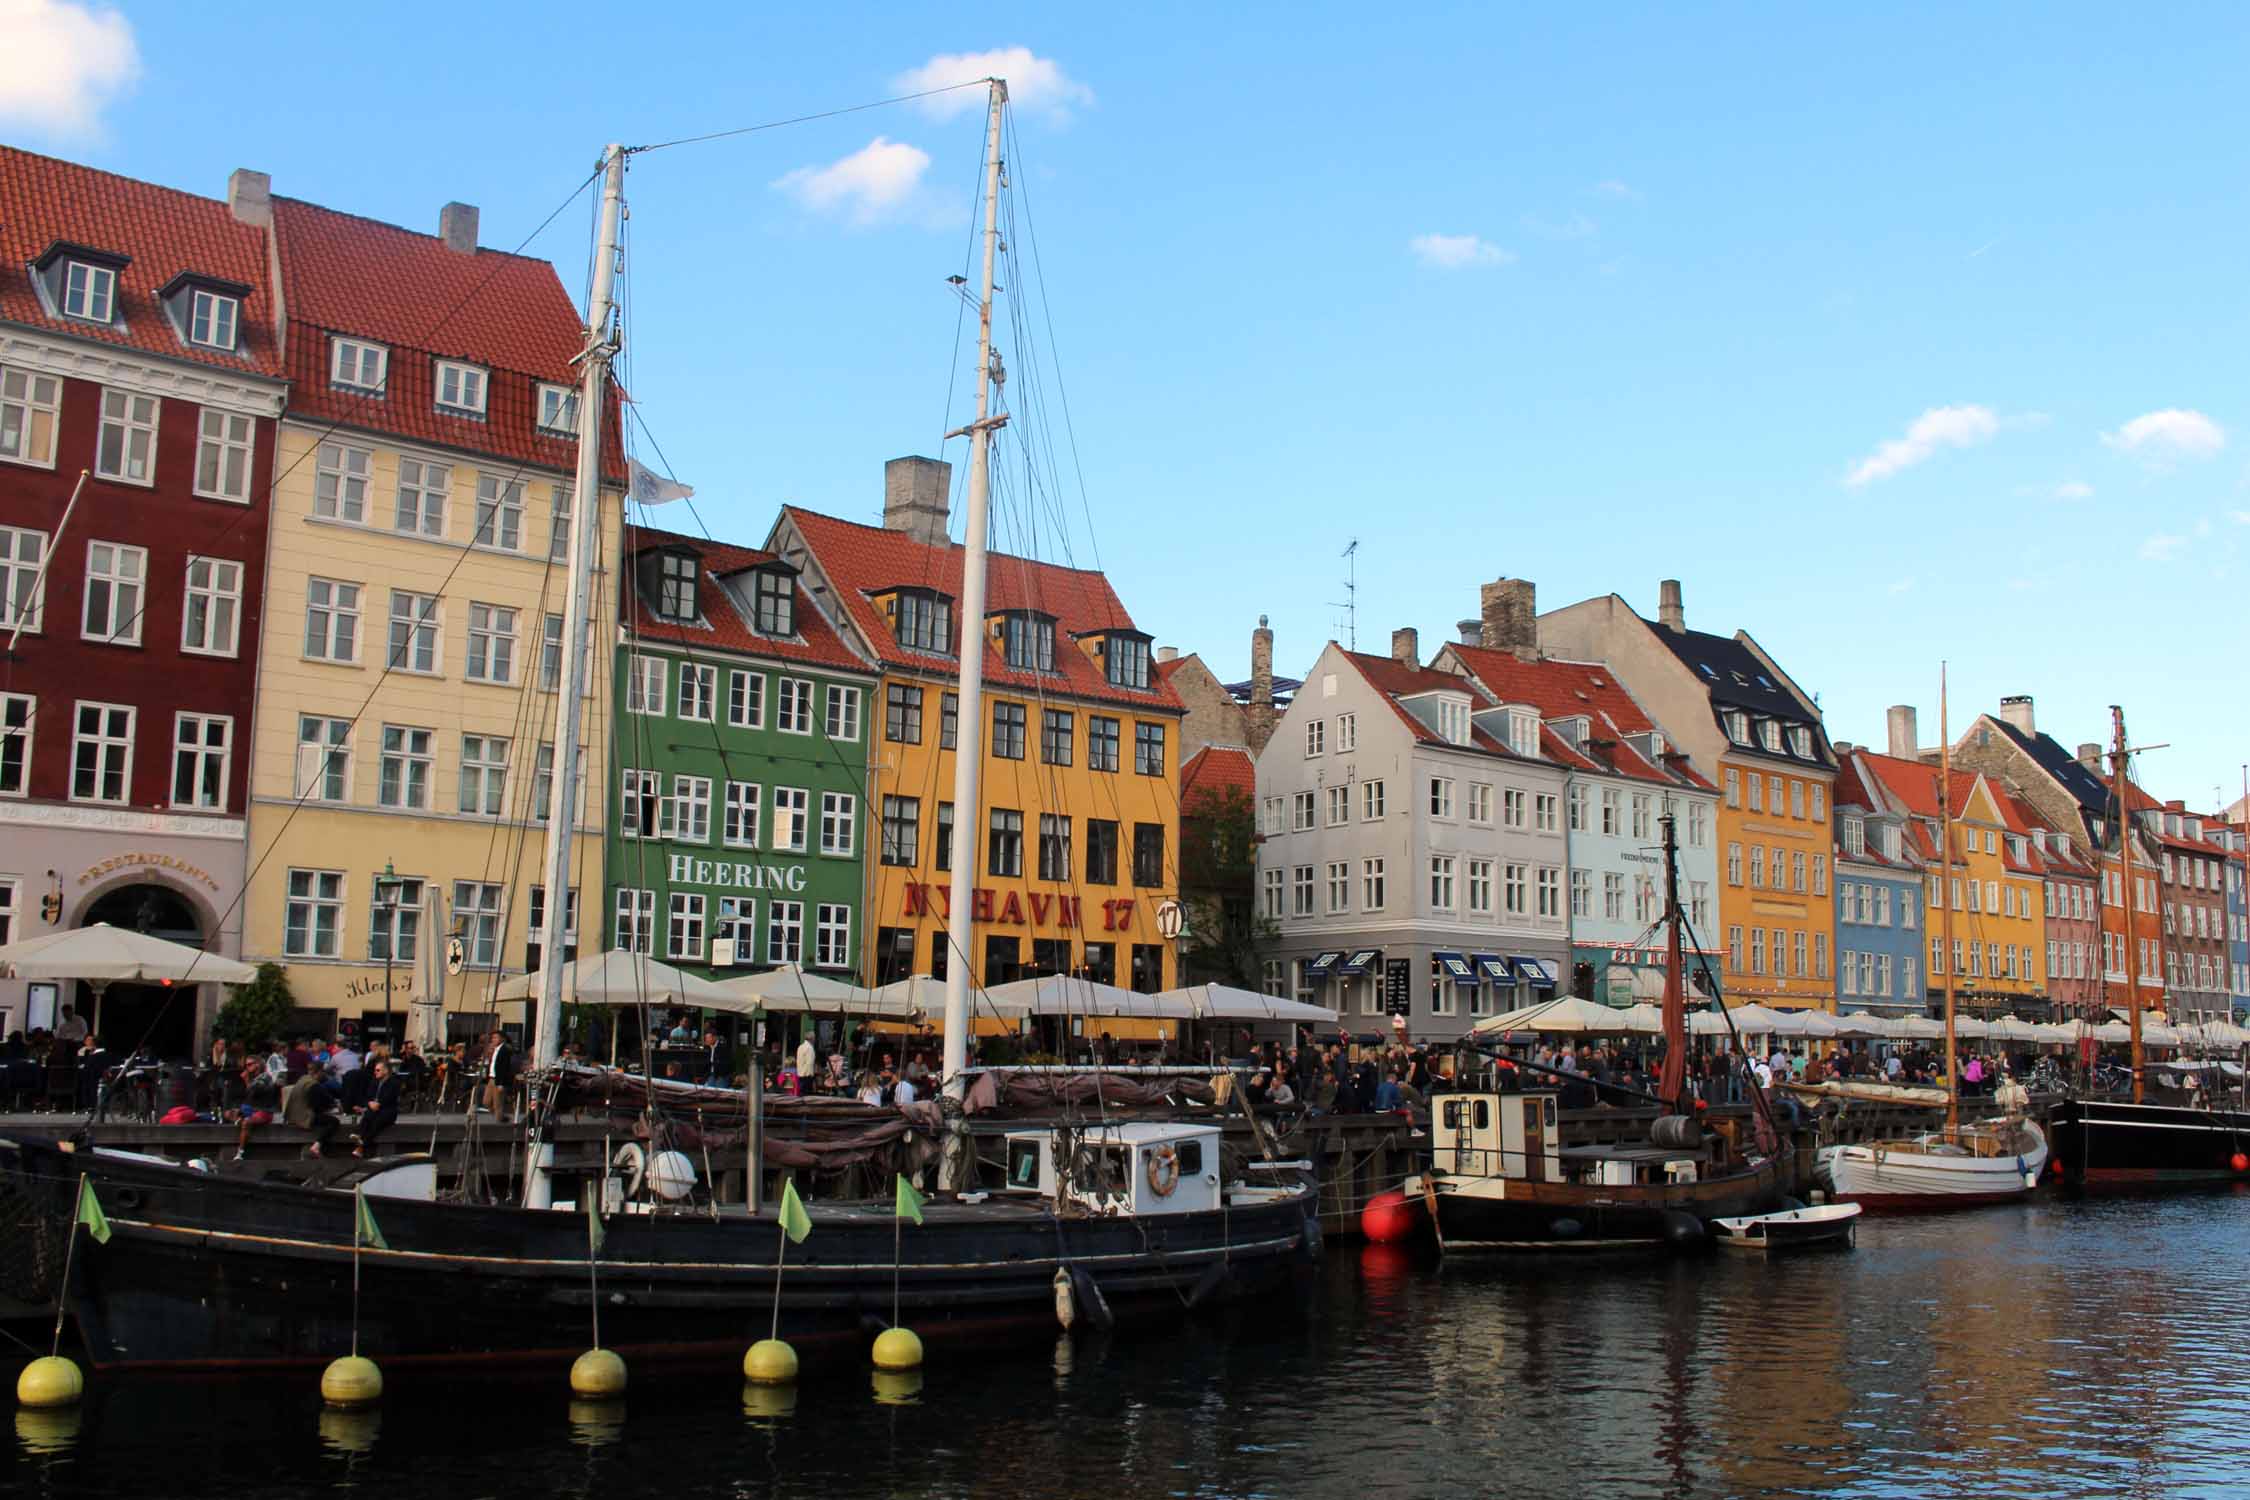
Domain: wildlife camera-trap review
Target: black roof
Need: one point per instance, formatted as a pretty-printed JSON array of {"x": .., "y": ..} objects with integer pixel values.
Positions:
[
  {"x": 2086, "y": 787},
  {"x": 1733, "y": 675}
]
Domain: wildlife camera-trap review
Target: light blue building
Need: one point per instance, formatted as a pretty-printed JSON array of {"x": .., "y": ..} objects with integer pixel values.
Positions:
[{"x": 1881, "y": 854}]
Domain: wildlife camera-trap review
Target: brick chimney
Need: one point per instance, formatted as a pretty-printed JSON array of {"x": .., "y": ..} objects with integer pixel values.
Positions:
[
  {"x": 1472, "y": 632},
  {"x": 1406, "y": 647},
  {"x": 2017, "y": 711},
  {"x": 1167, "y": 653},
  {"x": 1511, "y": 616},
  {"x": 2090, "y": 756},
  {"x": 1904, "y": 741},
  {"x": 916, "y": 499},
  {"x": 1669, "y": 612},
  {"x": 1261, "y": 664},
  {"x": 457, "y": 226},
  {"x": 250, "y": 197}
]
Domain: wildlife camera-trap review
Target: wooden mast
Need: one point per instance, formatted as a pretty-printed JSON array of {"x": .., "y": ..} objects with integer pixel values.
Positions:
[
  {"x": 2125, "y": 853},
  {"x": 1945, "y": 895},
  {"x": 1673, "y": 1084}
]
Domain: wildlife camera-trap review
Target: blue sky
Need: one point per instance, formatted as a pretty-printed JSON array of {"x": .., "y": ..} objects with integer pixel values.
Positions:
[{"x": 1897, "y": 334}]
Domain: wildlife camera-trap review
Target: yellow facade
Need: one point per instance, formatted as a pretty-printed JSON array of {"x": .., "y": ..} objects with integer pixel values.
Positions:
[
  {"x": 1074, "y": 916},
  {"x": 430, "y": 808},
  {"x": 1776, "y": 910},
  {"x": 1998, "y": 907}
]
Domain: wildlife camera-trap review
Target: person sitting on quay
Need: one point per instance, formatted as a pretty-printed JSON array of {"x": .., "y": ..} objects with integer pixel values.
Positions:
[
  {"x": 309, "y": 1104},
  {"x": 381, "y": 1111},
  {"x": 256, "y": 1104}
]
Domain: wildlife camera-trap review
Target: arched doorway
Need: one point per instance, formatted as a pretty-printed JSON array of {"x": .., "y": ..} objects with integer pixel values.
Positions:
[{"x": 163, "y": 1015}]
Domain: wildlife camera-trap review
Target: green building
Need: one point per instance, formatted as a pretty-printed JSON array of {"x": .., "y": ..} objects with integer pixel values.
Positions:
[{"x": 738, "y": 832}]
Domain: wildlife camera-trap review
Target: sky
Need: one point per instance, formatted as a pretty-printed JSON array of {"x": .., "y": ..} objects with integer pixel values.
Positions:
[{"x": 1900, "y": 335}]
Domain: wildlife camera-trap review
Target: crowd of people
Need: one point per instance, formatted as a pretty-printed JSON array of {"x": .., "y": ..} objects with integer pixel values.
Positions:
[{"x": 322, "y": 1087}]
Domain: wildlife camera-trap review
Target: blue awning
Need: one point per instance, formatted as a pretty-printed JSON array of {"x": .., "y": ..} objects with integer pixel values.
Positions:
[
  {"x": 1457, "y": 966},
  {"x": 1320, "y": 966},
  {"x": 1538, "y": 971},
  {"x": 1361, "y": 961},
  {"x": 1495, "y": 968}
]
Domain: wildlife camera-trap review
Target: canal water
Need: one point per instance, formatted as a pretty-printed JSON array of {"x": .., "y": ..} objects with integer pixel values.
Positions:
[{"x": 2056, "y": 1349}]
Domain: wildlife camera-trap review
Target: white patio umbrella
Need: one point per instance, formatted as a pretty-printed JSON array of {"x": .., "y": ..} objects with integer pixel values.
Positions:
[
  {"x": 1865, "y": 1023},
  {"x": 1068, "y": 995},
  {"x": 1967, "y": 1026},
  {"x": 620, "y": 978},
  {"x": 2158, "y": 1034},
  {"x": 1221, "y": 1002},
  {"x": 1755, "y": 1019},
  {"x": 1921, "y": 1029},
  {"x": 426, "y": 1024},
  {"x": 792, "y": 987},
  {"x": 2012, "y": 1029},
  {"x": 2224, "y": 1034},
  {"x": 1812, "y": 1024},
  {"x": 103, "y": 955},
  {"x": 1645, "y": 1020},
  {"x": 1568, "y": 1016}
]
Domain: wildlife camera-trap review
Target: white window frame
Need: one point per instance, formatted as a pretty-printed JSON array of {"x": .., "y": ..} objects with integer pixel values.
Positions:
[
  {"x": 1374, "y": 883},
  {"x": 844, "y": 716},
  {"x": 484, "y": 775},
  {"x": 470, "y": 385},
  {"x": 683, "y": 927},
  {"x": 1371, "y": 800},
  {"x": 785, "y": 932},
  {"x": 226, "y": 445},
  {"x": 423, "y": 619},
  {"x": 499, "y": 513},
  {"x": 221, "y": 603},
  {"x": 19, "y": 719},
  {"x": 478, "y": 908},
  {"x": 27, "y": 396},
  {"x": 560, "y": 500},
  {"x": 792, "y": 819},
  {"x": 689, "y": 821},
  {"x": 105, "y": 740},
  {"x": 491, "y": 647},
  {"x": 792, "y": 706},
  {"x": 423, "y": 497},
  {"x": 645, "y": 686},
  {"x": 634, "y": 919},
  {"x": 22, "y": 550},
  {"x": 699, "y": 692},
  {"x": 192, "y": 744},
  {"x": 212, "y": 311},
  {"x": 344, "y": 472},
  {"x": 558, "y": 409},
  {"x": 125, "y": 595},
  {"x": 333, "y": 612},
  {"x": 746, "y": 699},
  {"x": 332, "y": 738},
  {"x": 736, "y": 917},
  {"x": 93, "y": 290},
  {"x": 321, "y": 891},
  {"x": 359, "y": 365},
  {"x": 839, "y": 823},
  {"x": 832, "y": 936},
  {"x": 414, "y": 747},
  {"x": 739, "y": 822}
]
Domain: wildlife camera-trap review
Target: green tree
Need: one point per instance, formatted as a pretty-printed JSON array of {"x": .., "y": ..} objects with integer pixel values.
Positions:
[
  {"x": 1226, "y": 940},
  {"x": 258, "y": 1011}
]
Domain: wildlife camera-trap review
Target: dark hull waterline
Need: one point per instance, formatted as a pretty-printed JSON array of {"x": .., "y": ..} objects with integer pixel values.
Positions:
[
  {"x": 1579, "y": 1218},
  {"x": 2101, "y": 1145}
]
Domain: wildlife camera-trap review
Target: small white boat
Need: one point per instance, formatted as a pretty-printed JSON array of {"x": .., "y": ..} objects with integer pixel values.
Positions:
[
  {"x": 1790, "y": 1229},
  {"x": 1991, "y": 1161}
]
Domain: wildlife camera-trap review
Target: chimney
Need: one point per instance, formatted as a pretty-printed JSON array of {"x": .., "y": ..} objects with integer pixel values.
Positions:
[
  {"x": 1843, "y": 748},
  {"x": 2017, "y": 711},
  {"x": 1904, "y": 741},
  {"x": 250, "y": 197},
  {"x": 1167, "y": 653},
  {"x": 916, "y": 495},
  {"x": 1669, "y": 612},
  {"x": 1472, "y": 632},
  {"x": 1406, "y": 647},
  {"x": 1261, "y": 664},
  {"x": 1511, "y": 616},
  {"x": 457, "y": 226},
  {"x": 2090, "y": 756}
]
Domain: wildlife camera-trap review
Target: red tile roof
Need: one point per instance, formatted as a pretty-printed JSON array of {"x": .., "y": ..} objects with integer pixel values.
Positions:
[
  {"x": 723, "y": 626},
  {"x": 1395, "y": 680},
  {"x": 863, "y": 561},
  {"x": 1913, "y": 784},
  {"x": 1217, "y": 768},
  {"x": 1561, "y": 689},
  {"x": 508, "y": 313},
  {"x": 1165, "y": 669},
  {"x": 162, "y": 230}
]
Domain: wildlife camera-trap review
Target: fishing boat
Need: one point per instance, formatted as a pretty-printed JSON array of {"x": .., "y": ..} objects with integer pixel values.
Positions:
[
  {"x": 1996, "y": 1160},
  {"x": 204, "y": 1268},
  {"x": 1790, "y": 1229},
  {"x": 1500, "y": 1178}
]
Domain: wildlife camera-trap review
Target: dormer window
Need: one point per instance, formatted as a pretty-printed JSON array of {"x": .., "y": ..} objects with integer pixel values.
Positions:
[
  {"x": 460, "y": 387},
  {"x": 558, "y": 408},
  {"x": 773, "y": 601},
  {"x": 89, "y": 291},
  {"x": 2062, "y": 844},
  {"x": 1800, "y": 742},
  {"x": 1769, "y": 735},
  {"x": 1027, "y": 641},
  {"x": 1125, "y": 661},
  {"x": 1855, "y": 836},
  {"x": 1737, "y": 725},
  {"x": 675, "y": 586},
  {"x": 212, "y": 317},
  {"x": 358, "y": 365},
  {"x": 922, "y": 620},
  {"x": 1523, "y": 729}
]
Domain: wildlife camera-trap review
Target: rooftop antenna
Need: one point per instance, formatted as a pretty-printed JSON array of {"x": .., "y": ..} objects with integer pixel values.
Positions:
[{"x": 1349, "y": 604}]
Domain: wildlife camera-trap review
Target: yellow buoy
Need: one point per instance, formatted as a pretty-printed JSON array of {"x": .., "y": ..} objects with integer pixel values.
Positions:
[
  {"x": 351, "y": 1381},
  {"x": 769, "y": 1362},
  {"x": 898, "y": 1349},
  {"x": 898, "y": 1387},
  {"x": 768, "y": 1402},
  {"x": 598, "y": 1372},
  {"x": 50, "y": 1380}
]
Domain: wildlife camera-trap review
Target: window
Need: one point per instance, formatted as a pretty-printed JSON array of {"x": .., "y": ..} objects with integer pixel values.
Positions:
[
  {"x": 314, "y": 915},
  {"x": 675, "y": 586},
  {"x": 405, "y": 768},
  {"x": 1613, "y": 895},
  {"x": 1734, "y": 950},
  {"x": 1613, "y": 820},
  {"x": 1101, "y": 856},
  {"x": 792, "y": 807},
  {"x": 1698, "y": 824},
  {"x": 1300, "y": 812},
  {"x": 839, "y": 822},
  {"x": 683, "y": 937},
  {"x": 1480, "y": 805},
  {"x": 543, "y": 785},
  {"x": 30, "y": 408},
  {"x": 1004, "y": 843},
  {"x": 16, "y": 713},
  {"x": 699, "y": 691},
  {"x": 1339, "y": 805},
  {"x": 737, "y": 922},
  {"x": 460, "y": 387},
  {"x": 1757, "y": 792},
  {"x": 1148, "y": 854},
  {"x": 1758, "y": 867},
  {"x": 211, "y": 621},
  {"x": 1007, "y": 730},
  {"x": 1372, "y": 892},
  {"x": 200, "y": 743},
  {"x": 1797, "y": 955},
  {"x": 832, "y": 937},
  {"x": 640, "y": 799},
  {"x": 89, "y": 291},
  {"x": 636, "y": 919},
  {"x": 1819, "y": 796},
  {"x": 558, "y": 408},
  {"x": 212, "y": 317},
  {"x": 1370, "y": 801},
  {"x": 324, "y": 758},
  {"x": 1699, "y": 902},
  {"x": 1339, "y": 887},
  {"x": 746, "y": 699},
  {"x": 357, "y": 364},
  {"x": 1301, "y": 891},
  {"x": 394, "y": 919},
  {"x": 115, "y": 576},
  {"x": 1757, "y": 950},
  {"x": 1550, "y": 891},
  {"x": 785, "y": 932},
  {"x": 102, "y": 753},
  {"x": 1054, "y": 846},
  {"x": 1316, "y": 737},
  {"x": 1642, "y": 825},
  {"x": 902, "y": 831},
  {"x": 1543, "y": 812},
  {"x": 492, "y": 644},
  {"x": 1125, "y": 658},
  {"x": 1441, "y": 797},
  {"x": 774, "y": 603},
  {"x": 1581, "y": 892},
  {"x": 558, "y": 524},
  {"x": 1057, "y": 734},
  {"x": 1347, "y": 733},
  {"x": 1273, "y": 881},
  {"x": 645, "y": 686},
  {"x": 1797, "y": 871},
  {"x": 1480, "y": 885},
  {"x": 793, "y": 706},
  {"x": 340, "y": 475},
  {"x": 1148, "y": 749},
  {"x": 1441, "y": 881},
  {"x": 535, "y": 925},
  {"x": 414, "y": 632},
  {"x": 1101, "y": 743},
  {"x": 922, "y": 621},
  {"x": 738, "y": 826},
  {"x": 499, "y": 512},
  {"x": 902, "y": 714},
  {"x": 222, "y": 455},
  {"x": 1734, "y": 787},
  {"x": 484, "y": 775},
  {"x": 1027, "y": 642},
  {"x": 476, "y": 917},
  {"x": 331, "y": 620}
]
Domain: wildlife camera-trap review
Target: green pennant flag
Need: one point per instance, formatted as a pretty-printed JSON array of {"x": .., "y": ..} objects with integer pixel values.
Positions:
[
  {"x": 90, "y": 1212},
  {"x": 795, "y": 1222},
  {"x": 365, "y": 1231},
  {"x": 595, "y": 1234},
  {"x": 909, "y": 1201}
]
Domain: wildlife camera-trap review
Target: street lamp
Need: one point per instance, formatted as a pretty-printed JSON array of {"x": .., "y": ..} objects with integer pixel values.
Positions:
[{"x": 387, "y": 886}]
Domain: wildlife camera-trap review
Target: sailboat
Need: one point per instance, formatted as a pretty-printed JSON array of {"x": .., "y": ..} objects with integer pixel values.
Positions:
[
  {"x": 1995, "y": 1160},
  {"x": 1500, "y": 1178},
  {"x": 220, "y": 1271}
]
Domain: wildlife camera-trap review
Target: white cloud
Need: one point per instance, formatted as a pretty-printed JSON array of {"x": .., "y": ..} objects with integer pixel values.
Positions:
[
  {"x": 2239, "y": 517},
  {"x": 2159, "y": 436},
  {"x": 1036, "y": 85},
  {"x": 1570, "y": 227},
  {"x": 2163, "y": 547},
  {"x": 2073, "y": 489},
  {"x": 62, "y": 63},
  {"x": 1939, "y": 427},
  {"x": 879, "y": 181},
  {"x": 1611, "y": 188},
  {"x": 1454, "y": 252},
  {"x": 1903, "y": 585}
]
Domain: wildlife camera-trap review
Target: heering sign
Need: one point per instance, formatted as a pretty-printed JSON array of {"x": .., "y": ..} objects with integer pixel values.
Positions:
[{"x": 735, "y": 875}]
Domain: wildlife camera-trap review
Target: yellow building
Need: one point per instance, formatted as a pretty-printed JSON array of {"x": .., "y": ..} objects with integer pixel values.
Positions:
[
  {"x": 411, "y": 641},
  {"x": 1077, "y": 843}
]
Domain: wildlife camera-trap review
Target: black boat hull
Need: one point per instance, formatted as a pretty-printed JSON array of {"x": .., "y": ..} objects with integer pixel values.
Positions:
[
  {"x": 1476, "y": 1213},
  {"x": 2098, "y": 1145},
  {"x": 209, "y": 1273}
]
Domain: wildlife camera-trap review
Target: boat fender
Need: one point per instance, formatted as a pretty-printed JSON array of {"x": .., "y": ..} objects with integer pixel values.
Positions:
[
  {"x": 1209, "y": 1285},
  {"x": 1092, "y": 1305},
  {"x": 1683, "y": 1230},
  {"x": 633, "y": 1162},
  {"x": 1163, "y": 1169},
  {"x": 1566, "y": 1229},
  {"x": 128, "y": 1198},
  {"x": 1066, "y": 1304},
  {"x": 1791, "y": 1203}
]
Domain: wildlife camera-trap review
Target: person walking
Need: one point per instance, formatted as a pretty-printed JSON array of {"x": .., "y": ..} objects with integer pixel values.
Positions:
[{"x": 500, "y": 1076}]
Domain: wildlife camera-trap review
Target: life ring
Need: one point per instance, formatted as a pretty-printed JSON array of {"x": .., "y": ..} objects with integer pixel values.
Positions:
[{"x": 1163, "y": 1169}]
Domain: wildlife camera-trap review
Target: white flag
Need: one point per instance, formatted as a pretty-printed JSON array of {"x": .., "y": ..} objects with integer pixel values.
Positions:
[{"x": 652, "y": 488}]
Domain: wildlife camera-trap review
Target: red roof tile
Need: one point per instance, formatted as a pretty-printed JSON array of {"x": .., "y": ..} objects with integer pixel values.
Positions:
[
  {"x": 723, "y": 627},
  {"x": 1165, "y": 669},
  {"x": 162, "y": 230},
  {"x": 1217, "y": 768},
  {"x": 1913, "y": 784},
  {"x": 863, "y": 561},
  {"x": 1561, "y": 689}
]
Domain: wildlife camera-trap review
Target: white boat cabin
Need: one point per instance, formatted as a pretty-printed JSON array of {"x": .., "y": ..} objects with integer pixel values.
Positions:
[
  {"x": 1498, "y": 1135},
  {"x": 1141, "y": 1168}
]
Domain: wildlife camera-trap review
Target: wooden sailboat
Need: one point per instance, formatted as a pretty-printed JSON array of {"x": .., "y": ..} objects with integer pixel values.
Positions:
[{"x": 1990, "y": 1161}]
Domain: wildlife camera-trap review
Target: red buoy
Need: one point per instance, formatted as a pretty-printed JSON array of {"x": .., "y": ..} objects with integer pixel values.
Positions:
[
  {"x": 2241, "y": 1163},
  {"x": 1389, "y": 1217}
]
